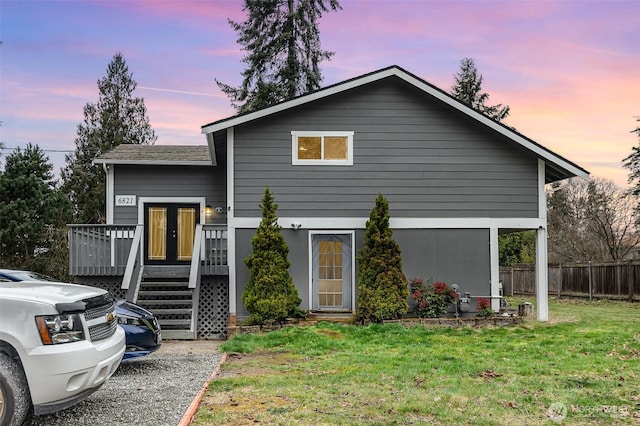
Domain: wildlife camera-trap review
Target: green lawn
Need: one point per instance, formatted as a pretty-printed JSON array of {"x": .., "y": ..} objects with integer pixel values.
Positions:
[{"x": 586, "y": 360}]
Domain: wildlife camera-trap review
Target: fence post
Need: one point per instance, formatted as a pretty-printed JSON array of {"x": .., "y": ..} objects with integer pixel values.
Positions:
[
  {"x": 631, "y": 272},
  {"x": 590, "y": 285}
]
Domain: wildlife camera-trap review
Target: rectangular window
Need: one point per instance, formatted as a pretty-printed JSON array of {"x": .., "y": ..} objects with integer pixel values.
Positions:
[{"x": 322, "y": 148}]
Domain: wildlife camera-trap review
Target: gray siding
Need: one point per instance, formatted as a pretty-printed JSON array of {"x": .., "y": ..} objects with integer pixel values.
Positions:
[
  {"x": 298, "y": 242},
  {"x": 428, "y": 160},
  {"x": 167, "y": 181},
  {"x": 454, "y": 256}
]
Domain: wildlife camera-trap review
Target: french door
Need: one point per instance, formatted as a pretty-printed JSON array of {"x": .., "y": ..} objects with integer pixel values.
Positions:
[
  {"x": 331, "y": 257},
  {"x": 169, "y": 233}
]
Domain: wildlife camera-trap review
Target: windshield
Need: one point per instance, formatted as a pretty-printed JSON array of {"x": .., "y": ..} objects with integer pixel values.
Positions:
[{"x": 31, "y": 276}]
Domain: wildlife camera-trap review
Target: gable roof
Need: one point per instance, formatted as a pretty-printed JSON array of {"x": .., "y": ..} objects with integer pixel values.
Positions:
[
  {"x": 558, "y": 167},
  {"x": 185, "y": 155}
]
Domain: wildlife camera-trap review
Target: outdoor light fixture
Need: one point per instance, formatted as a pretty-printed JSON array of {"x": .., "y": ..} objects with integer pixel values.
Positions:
[
  {"x": 208, "y": 211},
  {"x": 296, "y": 225}
]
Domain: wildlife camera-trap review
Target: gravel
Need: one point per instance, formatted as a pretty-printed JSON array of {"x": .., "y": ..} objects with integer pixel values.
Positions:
[{"x": 152, "y": 390}]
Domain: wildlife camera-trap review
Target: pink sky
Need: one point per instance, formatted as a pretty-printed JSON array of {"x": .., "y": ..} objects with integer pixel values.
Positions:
[{"x": 569, "y": 70}]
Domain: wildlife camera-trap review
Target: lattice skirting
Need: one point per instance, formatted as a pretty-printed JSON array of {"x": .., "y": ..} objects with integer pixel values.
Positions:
[
  {"x": 213, "y": 309},
  {"x": 111, "y": 284}
]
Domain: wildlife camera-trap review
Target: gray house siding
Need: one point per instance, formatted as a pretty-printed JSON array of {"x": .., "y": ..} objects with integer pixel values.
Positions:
[
  {"x": 428, "y": 160},
  {"x": 167, "y": 182},
  {"x": 454, "y": 256}
]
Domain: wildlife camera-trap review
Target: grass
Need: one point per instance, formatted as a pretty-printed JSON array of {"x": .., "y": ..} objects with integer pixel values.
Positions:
[{"x": 586, "y": 360}]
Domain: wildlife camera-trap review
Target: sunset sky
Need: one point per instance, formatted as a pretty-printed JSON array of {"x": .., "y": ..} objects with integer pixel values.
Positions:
[{"x": 569, "y": 70}]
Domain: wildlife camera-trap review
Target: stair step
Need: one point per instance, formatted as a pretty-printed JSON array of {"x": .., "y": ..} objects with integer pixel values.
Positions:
[
  {"x": 174, "y": 311},
  {"x": 164, "y": 293},
  {"x": 164, "y": 283},
  {"x": 151, "y": 302},
  {"x": 175, "y": 322}
]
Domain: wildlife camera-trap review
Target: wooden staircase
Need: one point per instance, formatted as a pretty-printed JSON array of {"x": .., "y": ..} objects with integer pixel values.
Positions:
[{"x": 165, "y": 292}]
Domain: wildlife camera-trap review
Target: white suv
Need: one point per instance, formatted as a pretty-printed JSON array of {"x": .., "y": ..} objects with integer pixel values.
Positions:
[{"x": 58, "y": 344}]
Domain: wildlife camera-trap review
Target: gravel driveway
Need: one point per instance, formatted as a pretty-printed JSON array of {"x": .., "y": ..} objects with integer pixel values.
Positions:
[{"x": 152, "y": 390}]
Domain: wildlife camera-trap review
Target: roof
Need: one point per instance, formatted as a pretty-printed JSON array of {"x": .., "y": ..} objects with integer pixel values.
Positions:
[
  {"x": 558, "y": 168},
  {"x": 189, "y": 155}
]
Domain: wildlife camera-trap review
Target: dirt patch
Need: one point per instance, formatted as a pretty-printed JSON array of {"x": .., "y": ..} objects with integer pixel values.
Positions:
[{"x": 185, "y": 347}]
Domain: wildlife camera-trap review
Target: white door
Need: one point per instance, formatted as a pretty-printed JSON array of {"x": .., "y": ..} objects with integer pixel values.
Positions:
[{"x": 332, "y": 272}]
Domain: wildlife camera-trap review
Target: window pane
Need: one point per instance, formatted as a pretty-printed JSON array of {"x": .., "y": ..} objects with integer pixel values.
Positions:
[
  {"x": 335, "y": 148},
  {"x": 309, "y": 148},
  {"x": 157, "y": 238}
]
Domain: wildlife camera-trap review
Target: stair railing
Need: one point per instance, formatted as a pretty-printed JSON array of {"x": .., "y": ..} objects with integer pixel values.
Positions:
[
  {"x": 132, "y": 271},
  {"x": 196, "y": 256}
]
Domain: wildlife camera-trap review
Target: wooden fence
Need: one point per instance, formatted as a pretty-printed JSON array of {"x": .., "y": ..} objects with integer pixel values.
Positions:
[{"x": 593, "y": 280}]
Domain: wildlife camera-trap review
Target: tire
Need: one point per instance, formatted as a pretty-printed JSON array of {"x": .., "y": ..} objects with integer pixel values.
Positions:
[{"x": 14, "y": 393}]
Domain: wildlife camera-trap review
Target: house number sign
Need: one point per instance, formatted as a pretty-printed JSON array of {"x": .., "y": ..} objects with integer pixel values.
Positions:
[{"x": 125, "y": 200}]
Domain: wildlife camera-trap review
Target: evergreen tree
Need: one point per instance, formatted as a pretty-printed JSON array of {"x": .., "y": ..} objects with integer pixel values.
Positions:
[
  {"x": 468, "y": 90},
  {"x": 270, "y": 294},
  {"x": 382, "y": 286},
  {"x": 31, "y": 210},
  {"x": 283, "y": 44},
  {"x": 632, "y": 163},
  {"x": 116, "y": 118}
]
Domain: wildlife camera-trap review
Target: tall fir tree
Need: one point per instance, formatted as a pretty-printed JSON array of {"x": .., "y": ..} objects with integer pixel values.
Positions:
[
  {"x": 270, "y": 295},
  {"x": 118, "y": 117},
  {"x": 282, "y": 40},
  {"x": 632, "y": 163},
  {"x": 31, "y": 210},
  {"x": 468, "y": 90},
  {"x": 382, "y": 286}
]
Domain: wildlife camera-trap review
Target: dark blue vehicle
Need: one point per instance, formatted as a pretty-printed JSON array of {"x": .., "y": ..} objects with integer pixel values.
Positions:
[{"x": 141, "y": 327}]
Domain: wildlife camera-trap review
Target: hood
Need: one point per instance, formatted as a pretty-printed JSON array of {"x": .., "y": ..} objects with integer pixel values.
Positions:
[{"x": 51, "y": 293}]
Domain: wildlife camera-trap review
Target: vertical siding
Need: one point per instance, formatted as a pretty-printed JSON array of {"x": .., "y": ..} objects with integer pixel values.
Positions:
[
  {"x": 428, "y": 160},
  {"x": 167, "y": 181},
  {"x": 454, "y": 256}
]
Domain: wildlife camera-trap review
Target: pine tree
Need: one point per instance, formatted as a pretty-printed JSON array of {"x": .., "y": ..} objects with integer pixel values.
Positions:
[
  {"x": 632, "y": 163},
  {"x": 31, "y": 209},
  {"x": 468, "y": 90},
  {"x": 283, "y": 44},
  {"x": 382, "y": 286},
  {"x": 116, "y": 118},
  {"x": 270, "y": 294}
]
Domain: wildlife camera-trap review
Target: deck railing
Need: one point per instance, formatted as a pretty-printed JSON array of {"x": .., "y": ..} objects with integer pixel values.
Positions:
[
  {"x": 104, "y": 250},
  {"x": 215, "y": 250},
  {"x": 99, "y": 250}
]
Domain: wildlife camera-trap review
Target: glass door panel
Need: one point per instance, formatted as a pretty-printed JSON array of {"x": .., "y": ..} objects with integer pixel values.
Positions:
[
  {"x": 157, "y": 233},
  {"x": 186, "y": 232}
]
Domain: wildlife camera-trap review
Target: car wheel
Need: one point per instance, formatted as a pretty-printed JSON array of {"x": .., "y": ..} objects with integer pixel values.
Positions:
[{"x": 14, "y": 395}]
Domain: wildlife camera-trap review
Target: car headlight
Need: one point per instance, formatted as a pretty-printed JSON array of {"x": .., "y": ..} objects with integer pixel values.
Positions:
[
  {"x": 54, "y": 329},
  {"x": 125, "y": 320}
]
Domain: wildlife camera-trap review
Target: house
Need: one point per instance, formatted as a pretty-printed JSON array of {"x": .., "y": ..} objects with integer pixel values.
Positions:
[{"x": 180, "y": 218}]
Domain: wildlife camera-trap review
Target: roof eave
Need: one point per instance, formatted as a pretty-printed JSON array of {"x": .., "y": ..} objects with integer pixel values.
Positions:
[
  {"x": 532, "y": 146},
  {"x": 152, "y": 162}
]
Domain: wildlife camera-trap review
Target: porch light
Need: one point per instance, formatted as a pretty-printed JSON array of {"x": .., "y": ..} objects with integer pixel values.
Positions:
[{"x": 208, "y": 210}]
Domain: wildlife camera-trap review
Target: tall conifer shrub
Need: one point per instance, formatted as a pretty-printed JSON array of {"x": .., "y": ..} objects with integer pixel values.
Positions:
[
  {"x": 270, "y": 295},
  {"x": 382, "y": 286}
]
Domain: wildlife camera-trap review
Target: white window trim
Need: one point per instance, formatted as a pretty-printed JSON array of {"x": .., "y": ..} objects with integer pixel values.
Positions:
[{"x": 294, "y": 149}]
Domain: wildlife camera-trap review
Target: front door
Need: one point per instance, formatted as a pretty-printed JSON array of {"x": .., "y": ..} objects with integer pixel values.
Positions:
[
  {"x": 169, "y": 233},
  {"x": 331, "y": 276}
]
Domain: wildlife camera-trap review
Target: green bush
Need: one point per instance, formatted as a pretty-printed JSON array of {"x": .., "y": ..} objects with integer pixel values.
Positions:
[
  {"x": 431, "y": 298},
  {"x": 270, "y": 295},
  {"x": 382, "y": 286}
]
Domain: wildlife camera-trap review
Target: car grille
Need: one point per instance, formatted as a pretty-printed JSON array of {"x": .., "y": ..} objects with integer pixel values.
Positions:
[{"x": 105, "y": 329}]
